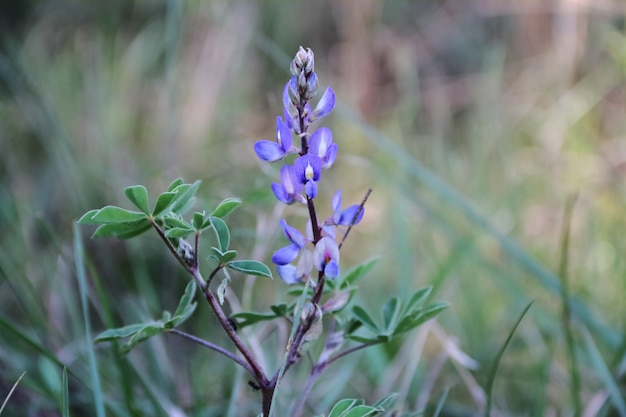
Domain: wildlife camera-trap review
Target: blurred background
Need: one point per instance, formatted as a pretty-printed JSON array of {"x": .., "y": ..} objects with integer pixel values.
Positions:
[{"x": 475, "y": 123}]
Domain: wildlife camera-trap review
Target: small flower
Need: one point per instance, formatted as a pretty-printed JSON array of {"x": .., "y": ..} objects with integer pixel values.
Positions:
[
  {"x": 321, "y": 144},
  {"x": 308, "y": 170},
  {"x": 326, "y": 257},
  {"x": 274, "y": 151},
  {"x": 325, "y": 105},
  {"x": 345, "y": 217},
  {"x": 289, "y": 188},
  {"x": 287, "y": 254}
]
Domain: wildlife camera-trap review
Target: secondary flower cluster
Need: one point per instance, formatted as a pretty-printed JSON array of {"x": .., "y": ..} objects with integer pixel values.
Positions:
[{"x": 298, "y": 181}]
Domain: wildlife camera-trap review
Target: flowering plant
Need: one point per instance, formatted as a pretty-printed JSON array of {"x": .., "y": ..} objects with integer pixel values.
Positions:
[{"x": 310, "y": 261}]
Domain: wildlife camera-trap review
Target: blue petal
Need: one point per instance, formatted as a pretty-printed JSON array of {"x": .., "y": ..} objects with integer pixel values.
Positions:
[
  {"x": 268, "y": 150},
  {"x": 325, "y": 105},
  {"x": 281, "y": 195},
  {"x": 294, "y": 235},
  {"x": 331, "y": 270},
  {"x": 304, "y": 162},
  {"x": 311, "y": 189},
  {"x": 347, "y": 216},
  {"x": 283, "y": 134},
  {"x": 288, "y": 274},
  {"x": 286, "y": 255}
]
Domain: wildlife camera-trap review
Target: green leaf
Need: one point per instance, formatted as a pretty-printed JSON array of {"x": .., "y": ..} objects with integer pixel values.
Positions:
[
  {"x": 146, "y": 332},
  {"x": 247, "y": 318},
  {"x": 223, "y": 257},
  {"x": 391, "y": 311},
  {"x": 279, "y": 309},
  {"x": 123, "y": 230},
  {"x": 138, "y": 195},
  {"x": 164, "y": 201},
  {"x": 175, "y": 183},
  {"x": 198, "y": 220},
  {"x": 418, "y": 317},
  {"x": 361, "y": 411},
  {"x": 86, "y": 218},
  {"x": 251, "y": 268},
  {"x": 418, "y": 298},
  {"x": 225, "y": 207},
  {"x": 178, "y": 232},
  {"x": 187, "y": 298},
  {"x": 362, "y": 339},
  {"x": 221, "y": 232},
  {"x": 357, "y": 273},
  {"x": 185, "y": 193},
  {"x": 174, "y": 222},
  {"x": 113, "y": 214},
  {"x": 387, "y": 402},
  {"x": 364, "y": 318},
  {"x": 341, "y": 407},
  {"x": 119, "y": 333}
]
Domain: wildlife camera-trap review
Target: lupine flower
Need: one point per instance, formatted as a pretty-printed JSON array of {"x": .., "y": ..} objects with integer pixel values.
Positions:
[
  {"x": 308, "y": 170},
  {"x": 321, "y": 144},
  {"x": 344, "y": 217},
  {"x": 287, "y": 254},
  {"x": 274, "y": 151},
  {"x": 326, "y": 257},
  {"x": 324, "y": 106},
  {"x": 289, "y": 188}
]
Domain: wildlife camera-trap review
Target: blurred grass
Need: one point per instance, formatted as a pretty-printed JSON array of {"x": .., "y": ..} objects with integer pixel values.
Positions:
[{"x": 472, "y": 121}]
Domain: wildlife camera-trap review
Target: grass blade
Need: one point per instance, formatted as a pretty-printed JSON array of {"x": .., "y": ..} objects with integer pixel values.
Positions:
[
  {"x": 6, "y": 400},
  {"x": 82, "y": 287},
  {"x": 441, "y": 402},
  {"x": 492, "y": 374},
  {"x": 605, "y": 374},
  {"x": 65, "y": 399}
]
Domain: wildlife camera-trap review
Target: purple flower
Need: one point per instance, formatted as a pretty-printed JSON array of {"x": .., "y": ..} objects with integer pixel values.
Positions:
[
  {"x": 325, "y": 105},
  {"x": 287, "y": 254},
  {"x": 326, "y": 257},
  {"x": 341, "y": 217},
  {"x": 308, "y": 170},
  {"x": 274, "y": 151},
  {"x": 289, "y": 188},
  {"x": 288, "y": 274},
  {"x": 321, "y": 144}
]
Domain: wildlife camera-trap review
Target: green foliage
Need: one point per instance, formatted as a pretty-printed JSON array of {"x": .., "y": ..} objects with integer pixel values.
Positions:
[
  {"x": 395, "y": 320},
  {"x": 139, "y": 332}
]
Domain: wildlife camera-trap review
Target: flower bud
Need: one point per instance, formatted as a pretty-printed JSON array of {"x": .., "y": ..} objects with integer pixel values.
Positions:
[
  {"x": 310, "y": 312},
  {"x": 186, "y": 252}
]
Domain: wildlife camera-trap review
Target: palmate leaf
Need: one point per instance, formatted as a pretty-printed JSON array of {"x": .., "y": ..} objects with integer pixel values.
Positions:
[
  {"x": 111, "y": 215},
  {"x": 138, "y": 195},
  {"x": 123, "y": 230},
  {"x": 225, "y": 207}
]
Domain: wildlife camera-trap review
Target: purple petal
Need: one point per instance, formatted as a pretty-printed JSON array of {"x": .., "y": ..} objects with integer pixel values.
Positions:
[
  {"x": 281, "y": 194},
  {"x": 289, "y": 181},
  {"x": 283, "y": 134},
  {"x": 326, "y": 250},
  {"x": 286, "y": 255},
  {"x": 308, "y": 167},
  {"x": 347, "y": 216},
  {"x": 336, "y": 203},
  {"x": 332, "y": 155},
  {"x": 294, "y": 235},
  {"x": 311, "y": 189},
  {"x": 288, "y": 274},
  {"x": 325, "y": 105},
  {"x": 320, "y": 141},
  {"x": 331, "y": 270},
  {"x": 268, "y": 150}
]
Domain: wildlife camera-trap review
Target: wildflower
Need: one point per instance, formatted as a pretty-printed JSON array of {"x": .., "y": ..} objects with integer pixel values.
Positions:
[
  {"x": 287, "y": 254},
  {"x": 345, "y": 217},
  {"x": 326, "y": 257},
  {"x": 271, "y": 151},
  {"x": 289, "y": 188},
  {"x": 324, "y": 106},
  {"x": 321, "y": 144},
  {"x": 308, "y": 170}
]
